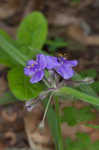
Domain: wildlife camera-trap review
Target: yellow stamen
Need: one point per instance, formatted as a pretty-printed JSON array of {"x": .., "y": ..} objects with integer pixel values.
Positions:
[
  {"x": 60, "y": 54},
  {"x": 35, "y": 62},
  {"x": 32, "y": 65}
]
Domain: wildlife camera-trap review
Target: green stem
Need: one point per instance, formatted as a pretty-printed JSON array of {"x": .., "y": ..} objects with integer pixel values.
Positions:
[
  {"x": 46, "y": 83},
  {"x": 60, "y": 141},
  {"x": 47, "y": 106}
]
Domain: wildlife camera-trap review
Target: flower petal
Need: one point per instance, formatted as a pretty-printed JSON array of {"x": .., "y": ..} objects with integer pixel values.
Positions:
[
  {"x": 30, "y": 62},
  {"x": 51, "y": 62},
  {"x": 41, "y": 60},
  {"x": 37, "y": 76},
  {"x": 28, "y": 71},
  {"x": 65, "y": 72},
  {"x": 72, "y": 63}
]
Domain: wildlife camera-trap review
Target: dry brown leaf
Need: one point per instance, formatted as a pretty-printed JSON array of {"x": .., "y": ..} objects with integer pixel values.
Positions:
[
  {"x": 37, "y": 140},
  {"x": 12, "y": 136},
  {"x": 10, "y": 118},
  {"x": 76, "y": 33}
]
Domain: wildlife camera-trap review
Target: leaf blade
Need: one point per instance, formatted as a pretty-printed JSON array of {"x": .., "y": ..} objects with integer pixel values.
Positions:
[
  {"x": 20, "y": 85},
  {"x": 78, "y": 94},
  {"x": 32, "y": 31}
]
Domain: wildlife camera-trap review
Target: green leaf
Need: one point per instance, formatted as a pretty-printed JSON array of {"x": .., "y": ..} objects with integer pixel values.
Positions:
[
  {"x": 4, "y": 58},
  {"x": 92, "y": 126},
  {"x": 73, "y": 115},
  {"x": 55, "y": 44},
  {"x": 7, "y": 97},
  {"x": 82, "y": 142},
  {"x": 75, "y": 1},
  {"x": 95, "y": 86},
  {"x": 30, "y": 52},
  {"x": 89, "y": 73},
  {"x": 32, "y": 31},
  {"x": 77, "y": 94},
  {"x": 6, "y": 62},
  {"x": 84, "y": 88},
  {"x": 6, "y": 36},
  {"x": 46, "y": 74},
  {"x": 20, "y": 85},
  {"x": 12, "y": 52},
  {"x": 11, "y": 55},
  {"x": 95, "y": 145}
]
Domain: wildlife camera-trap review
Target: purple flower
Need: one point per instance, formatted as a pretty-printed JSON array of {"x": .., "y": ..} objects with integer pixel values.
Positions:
[
  {"x": 51, "y": 62},
  {"x": 34, "y": 69},
  {"x": 29, "y": 105},
  {"x": 64, "y": 68}
]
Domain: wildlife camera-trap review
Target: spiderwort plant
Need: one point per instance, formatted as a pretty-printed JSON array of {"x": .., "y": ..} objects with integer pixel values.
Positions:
[
  {"x": 35, "y": 70},
  {"x": 25, "y": 81}
]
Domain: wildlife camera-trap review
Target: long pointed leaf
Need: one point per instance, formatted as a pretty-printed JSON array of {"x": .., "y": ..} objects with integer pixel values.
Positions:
[
  {"x": 77, "y": 94},
  {"x": 12, "y": 51}
]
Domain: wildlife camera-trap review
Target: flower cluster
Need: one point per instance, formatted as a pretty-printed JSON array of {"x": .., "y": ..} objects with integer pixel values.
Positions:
[{"x": 35, "y": 69}]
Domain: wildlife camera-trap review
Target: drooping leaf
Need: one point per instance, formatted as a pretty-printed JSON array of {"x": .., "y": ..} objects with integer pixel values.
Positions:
[
  {"x": 84, "y": 88},
  {"x": 78, "y": 95},
  {"x": 20, "y": 85}
]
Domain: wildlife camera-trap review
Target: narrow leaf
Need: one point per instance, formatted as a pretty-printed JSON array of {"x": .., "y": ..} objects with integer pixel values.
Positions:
[
  {"x": 12, "y": 51},
  {"x": 84, "y": 88},
  {"x": 4, "y": 57},
  {"x": 77, "y": 94}
]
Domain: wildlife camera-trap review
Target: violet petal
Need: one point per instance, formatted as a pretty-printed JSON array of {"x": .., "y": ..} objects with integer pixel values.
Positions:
[
  {"x": 65, "y": 72},
  {"x": 37, "y": 76},
  {"x": 28, "y": 71},
  {"x": 51, "y": 62},
  {"x": 72, "y": 63},
  {"x": 30, "y": 62},
  {"x": 41, "y": 60}
]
